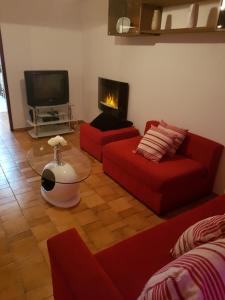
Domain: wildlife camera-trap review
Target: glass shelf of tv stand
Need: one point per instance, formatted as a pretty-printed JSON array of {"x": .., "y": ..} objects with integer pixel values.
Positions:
[{"x": 50, "y": 120}]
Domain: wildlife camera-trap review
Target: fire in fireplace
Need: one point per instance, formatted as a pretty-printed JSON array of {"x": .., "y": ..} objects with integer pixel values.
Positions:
[
  {"x": 113, "y": 97},
  {"x": 111, "y": 101}
]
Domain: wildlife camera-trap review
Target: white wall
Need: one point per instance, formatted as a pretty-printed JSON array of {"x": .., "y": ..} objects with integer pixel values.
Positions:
[
  {"x": 178, "y": 78},
  {"x": 41, "y": 35},
  {"x": 40, "y": 48}
]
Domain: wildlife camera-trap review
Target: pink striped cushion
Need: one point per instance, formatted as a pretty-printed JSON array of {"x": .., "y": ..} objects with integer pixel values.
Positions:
[
  {"x": 181, "y": 134},
  {"x": 204, "y": 231},
  {"x": 196, "y": 275},
  {"x": 155, "y": 143}
]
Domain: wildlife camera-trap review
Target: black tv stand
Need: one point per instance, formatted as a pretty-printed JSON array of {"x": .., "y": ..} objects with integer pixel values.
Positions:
[{"x": 50, "y": 120}]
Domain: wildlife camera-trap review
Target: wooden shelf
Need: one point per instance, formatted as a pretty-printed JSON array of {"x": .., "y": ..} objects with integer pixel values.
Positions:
[
  {"x": 142, "y": 16},
  {"x": 183, "y": 30},
  {"x": 164, "y": 3}
]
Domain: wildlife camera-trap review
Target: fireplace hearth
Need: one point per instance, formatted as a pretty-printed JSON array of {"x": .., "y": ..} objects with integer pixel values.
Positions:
[{"x": 113, "y": 97}]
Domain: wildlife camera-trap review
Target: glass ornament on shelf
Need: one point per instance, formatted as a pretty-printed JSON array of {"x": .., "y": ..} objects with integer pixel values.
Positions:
[
  {"x": 193, "y": 15},
  {"x": 221, "y": 18}
]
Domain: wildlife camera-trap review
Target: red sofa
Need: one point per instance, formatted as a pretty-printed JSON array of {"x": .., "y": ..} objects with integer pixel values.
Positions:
[
  {"x": 172, "y": 182},
  {"x": 92, "y": 139},
  {"x": 121, "y": 271}
]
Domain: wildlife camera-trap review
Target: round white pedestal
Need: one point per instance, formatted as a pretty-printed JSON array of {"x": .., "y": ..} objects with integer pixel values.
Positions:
[{"x": 58, "y": 185}]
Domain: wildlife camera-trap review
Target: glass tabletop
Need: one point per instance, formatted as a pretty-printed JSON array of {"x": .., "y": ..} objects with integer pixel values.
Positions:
[{"x": 74, "y": 166}]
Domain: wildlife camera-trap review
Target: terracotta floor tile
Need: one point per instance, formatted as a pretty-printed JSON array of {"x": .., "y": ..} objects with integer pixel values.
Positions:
[
  {"x": 25, "y": 250},
  {"x": 7, "y": 192},
  {"x": 78, "y": 208},
  {"x": 34, "y": 214},
  {"x": 92, "y": 226},
  {"x": 42, "y": 246},
  {"x": 12, "y": 216},
  {"x": 120, "y": 204},
  {"x": 115, "y": 226},
  {"x": 41, "y": 293},
  {"x": 35, "y": 275},
  {"x": 59, "y": 216},
  {"x": 9, "y": 208},
  {"x": 136, "y": 222},
  {"x": 105, "y": 191},
  {"x": 108, "y": 216},
  {"x": 94, "y": 181},
  {"x": 93, "y": 201},
  {"x": 10, "y": 282},
  {"x": 14, "y": 227},
  {"x": 6, "y": 259},
  {"x": 7, "y": 199},
  {"x": 101, "y": 237},
  {"x": 44, "y": 231},
  {"x": 19, "y": 236},
  {"x": 99, "y": 208},
  {"x": 85, "y": 217}
]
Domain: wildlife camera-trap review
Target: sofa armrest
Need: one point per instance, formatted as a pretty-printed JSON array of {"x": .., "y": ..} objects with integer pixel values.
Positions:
[
  {"x": 76, "y": 273},
  {"x": 204, "y": 150}
]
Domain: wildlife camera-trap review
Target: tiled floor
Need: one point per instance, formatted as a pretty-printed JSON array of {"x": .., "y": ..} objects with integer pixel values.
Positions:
[{"x": 105, "y": 215}]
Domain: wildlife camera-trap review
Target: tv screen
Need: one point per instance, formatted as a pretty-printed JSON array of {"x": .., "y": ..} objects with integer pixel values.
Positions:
[{"x": 45, "y": 88}]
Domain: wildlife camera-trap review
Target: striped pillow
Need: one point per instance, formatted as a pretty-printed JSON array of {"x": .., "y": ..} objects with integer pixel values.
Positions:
[
  {"x": 155, "y": 143},
  {"x": 202, "y": 232},
  {"x": 196, "y": 275},
  {"x": 180, "y": 133}
]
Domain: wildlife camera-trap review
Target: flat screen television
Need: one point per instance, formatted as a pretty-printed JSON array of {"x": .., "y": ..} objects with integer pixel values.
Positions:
[{"x": 46, "y": 88}]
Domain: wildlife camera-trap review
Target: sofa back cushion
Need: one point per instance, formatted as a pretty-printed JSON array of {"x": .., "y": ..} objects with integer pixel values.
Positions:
[
  {"x": 151, "y": 123},
  {"x": 198, "y": 274},
  {"x": 180, "y": 132},
  {"x": 204, "y": 231},
  {"x": 199, "y": 148},
  {"x": 155, "y": 143},
  {"x": 204, "y": 150}
]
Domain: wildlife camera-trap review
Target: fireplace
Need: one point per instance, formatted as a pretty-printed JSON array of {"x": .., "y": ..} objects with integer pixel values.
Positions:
[{"x": 113, "y": 97}]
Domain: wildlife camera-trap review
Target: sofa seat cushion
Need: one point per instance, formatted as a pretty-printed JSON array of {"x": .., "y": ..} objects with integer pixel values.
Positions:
[
  {"x": 103, "y": 137},
  {"x": 160, "y": 177}
]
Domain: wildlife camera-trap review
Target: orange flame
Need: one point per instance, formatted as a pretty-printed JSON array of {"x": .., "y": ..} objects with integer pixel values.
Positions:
[{"x": 111, "y": 101}]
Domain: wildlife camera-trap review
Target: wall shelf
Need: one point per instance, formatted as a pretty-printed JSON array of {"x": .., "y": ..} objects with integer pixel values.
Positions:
[{"x": 141, "y": 16}]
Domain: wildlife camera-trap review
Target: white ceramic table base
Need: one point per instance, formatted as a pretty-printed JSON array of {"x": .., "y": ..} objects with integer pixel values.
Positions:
[
  {"x": 58, "y": 185},
  {"x": 63, "y": 195}
]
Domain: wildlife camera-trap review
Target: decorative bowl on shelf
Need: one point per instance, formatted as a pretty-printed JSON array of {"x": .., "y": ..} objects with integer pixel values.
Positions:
[{"x": 123, "y": 25}]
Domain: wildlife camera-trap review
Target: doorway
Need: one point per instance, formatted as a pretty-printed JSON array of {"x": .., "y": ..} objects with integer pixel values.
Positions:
[
  {"x": 3, "y": 105},
  {"x": 5, "y": 109}
]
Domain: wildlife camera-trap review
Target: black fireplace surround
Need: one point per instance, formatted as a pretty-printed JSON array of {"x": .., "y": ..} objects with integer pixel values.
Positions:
[
  {"x": 113, "y": 97},
  {"x": 113, "y": 101}
]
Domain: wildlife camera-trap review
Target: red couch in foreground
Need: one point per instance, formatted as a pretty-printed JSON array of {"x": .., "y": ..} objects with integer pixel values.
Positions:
[
  {"x": 92, "y": 139},
  {"x": 121, "y": 271},
  {"x": 170, "y": 183}
]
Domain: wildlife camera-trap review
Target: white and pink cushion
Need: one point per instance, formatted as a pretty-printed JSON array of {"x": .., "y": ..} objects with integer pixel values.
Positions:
[
  {"x": 180, "y": 136},
  {"x": 196, "y": 275},
  {"x": 204, "y": 231},
  {"x": 155, "y": 143}
]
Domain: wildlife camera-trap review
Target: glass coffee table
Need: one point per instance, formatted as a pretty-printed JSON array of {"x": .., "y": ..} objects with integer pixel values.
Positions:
[{"x": 61, "y": 174}]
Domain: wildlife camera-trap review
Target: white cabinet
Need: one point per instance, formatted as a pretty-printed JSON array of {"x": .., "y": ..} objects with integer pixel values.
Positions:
[{"x": 50, "y": 120}]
